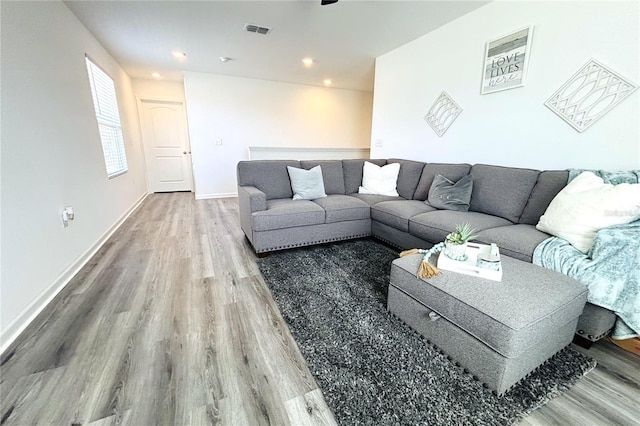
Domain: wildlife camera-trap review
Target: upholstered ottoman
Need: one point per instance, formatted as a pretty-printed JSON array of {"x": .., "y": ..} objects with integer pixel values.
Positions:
[{"x": 499, "y": 331}]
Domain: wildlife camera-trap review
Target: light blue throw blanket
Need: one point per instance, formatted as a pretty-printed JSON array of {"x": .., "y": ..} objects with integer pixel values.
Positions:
[
  {"x": 614, "y": 178},
  {"x": 611, "y": 269}
]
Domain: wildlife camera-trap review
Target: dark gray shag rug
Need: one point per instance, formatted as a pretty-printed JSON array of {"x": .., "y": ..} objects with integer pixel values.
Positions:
[{"x": 372, "y": 368}]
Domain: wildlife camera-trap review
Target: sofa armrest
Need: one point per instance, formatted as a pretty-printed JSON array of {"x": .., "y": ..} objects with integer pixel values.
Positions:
[
  {"x": 250, "y": 200},
  {"x": 255, "y": 199}
]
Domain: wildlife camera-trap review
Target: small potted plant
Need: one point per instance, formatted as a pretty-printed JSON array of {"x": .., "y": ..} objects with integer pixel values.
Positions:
[{"x": 456, "y": 242}]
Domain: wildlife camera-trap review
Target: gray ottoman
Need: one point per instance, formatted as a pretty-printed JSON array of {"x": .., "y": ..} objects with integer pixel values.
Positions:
[{"x": 499, "y": 331}]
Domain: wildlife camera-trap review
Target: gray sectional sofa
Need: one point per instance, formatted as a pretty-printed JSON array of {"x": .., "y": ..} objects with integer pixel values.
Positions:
[{"x": 506, "y": 204}]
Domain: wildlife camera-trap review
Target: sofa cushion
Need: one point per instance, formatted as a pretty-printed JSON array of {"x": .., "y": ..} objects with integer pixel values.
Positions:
[
  {"x": 397, "y": 213},
  {"x": 331, "y": 173},
  {"x": 287, "y": 213},
  {"x": 586, "y": 205},
  {"x": 352, "y": 170},
  {"x": 339, "y": 208},
  {"x": 306, "y": 184},
  {"x": 518, "y": 241},
  {"x": 379, "y": 180},
  {"x": 549, "y": 183},
  {"x": 452, "y": 172},
  {"x": 409, "y": 176},
  {"x": 501, "y": 191},
  {"x": 372, "y": 199},
  {"x": 448, "y": 195},
  {"x": 269, "y": 176},
  {"x": 434, "y": 226}
]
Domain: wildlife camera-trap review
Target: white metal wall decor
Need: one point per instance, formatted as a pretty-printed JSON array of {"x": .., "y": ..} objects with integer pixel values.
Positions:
[
  {"x": 592, "y": 92},
  {"x": 443, "y": 112}
]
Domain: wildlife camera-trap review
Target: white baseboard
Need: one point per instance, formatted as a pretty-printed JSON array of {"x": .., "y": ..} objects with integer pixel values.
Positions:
[
  {"x": 20, "y": 323},
  {"x": 220, "y": 195}
]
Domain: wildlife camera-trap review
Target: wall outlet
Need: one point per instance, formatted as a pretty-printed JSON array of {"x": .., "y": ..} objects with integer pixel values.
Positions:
[
  {"x": 67, "y": 215},
  {"x": 218, "y": 141},
  {"x": 378, "y": 143}
]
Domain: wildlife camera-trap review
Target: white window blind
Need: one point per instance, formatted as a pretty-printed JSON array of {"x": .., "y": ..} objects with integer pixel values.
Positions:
[{"x": 105, "y": 104}]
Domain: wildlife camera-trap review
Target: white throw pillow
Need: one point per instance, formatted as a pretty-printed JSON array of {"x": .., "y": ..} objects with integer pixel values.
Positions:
[
  {"x": 379, "y": 180},
  {"x": 306, "y": 184},
  {"x": 586, "y": 205}
]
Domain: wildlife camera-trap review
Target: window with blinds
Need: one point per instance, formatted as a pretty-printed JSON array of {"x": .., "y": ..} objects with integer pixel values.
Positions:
[{"x": 105, "y": 104}]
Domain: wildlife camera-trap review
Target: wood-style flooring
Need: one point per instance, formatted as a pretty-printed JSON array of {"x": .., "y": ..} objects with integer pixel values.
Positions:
[{"x": 171, "y": 323}]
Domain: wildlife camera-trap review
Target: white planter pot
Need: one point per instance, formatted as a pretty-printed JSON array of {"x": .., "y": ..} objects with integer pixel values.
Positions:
[{"x": 455, "y": 251}]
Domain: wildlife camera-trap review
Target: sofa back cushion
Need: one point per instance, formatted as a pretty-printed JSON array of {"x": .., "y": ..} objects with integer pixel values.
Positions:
[
  {"x": 448, "y": 195},
  {"x": 501, "y": 191},
  {"x": 352, "y": 170},
  {"x": 332, "y": 174},
  {"x": 409, "y": 176},
  {"x": 549, "y": 183},
  {"x": 269, "y": 176},
  {"x": 453, "y": 172}
]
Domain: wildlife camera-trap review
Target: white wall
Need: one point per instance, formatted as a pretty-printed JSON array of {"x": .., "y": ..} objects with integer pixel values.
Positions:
[
  {"x": 52, "y": 156},
  {"x": 511, "y": 127},
  {"x": 247, "y": 112},
  {"x": 158, "y": 89}
]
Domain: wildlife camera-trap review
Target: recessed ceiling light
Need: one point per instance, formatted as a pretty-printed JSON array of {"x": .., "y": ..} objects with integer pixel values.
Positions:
[
  {"x": 307, "y": 62},
  {"x": 155, "y": 75},
  {"x": 224, "y": 59},
  {"x": 179, "y": 54},
  {"x": 328, "y": 82}
]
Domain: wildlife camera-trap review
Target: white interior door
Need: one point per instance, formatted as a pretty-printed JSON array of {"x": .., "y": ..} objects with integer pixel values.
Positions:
[{"x": 166, "y": 145}]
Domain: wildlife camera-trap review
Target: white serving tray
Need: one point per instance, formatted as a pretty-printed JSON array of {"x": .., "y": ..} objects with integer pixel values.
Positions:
[{"x": 468, "y": 267}]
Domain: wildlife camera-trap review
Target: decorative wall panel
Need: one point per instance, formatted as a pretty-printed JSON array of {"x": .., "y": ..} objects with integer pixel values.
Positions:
[
  {"x": 592, "y": 92},
  {"x": 443, "y": 112}
]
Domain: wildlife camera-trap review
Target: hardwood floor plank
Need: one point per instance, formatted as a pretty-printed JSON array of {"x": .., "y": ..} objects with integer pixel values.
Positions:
[
  {"x": 92, "y": 379},
  {"x": 608, "y": 395},
  {"x": 107, "y": 256},
  {"x": 236, "y": 377},
  {"x": 28, "y": 408},
  {"x": 171, "y": 323},
  {"x": 274, "y": 339},
  {"x": 615, "y": 360},
  {"x": 309, "y": 409},
  {"x": 123, "y": 419},
  {"x": 14, "y": 397}
]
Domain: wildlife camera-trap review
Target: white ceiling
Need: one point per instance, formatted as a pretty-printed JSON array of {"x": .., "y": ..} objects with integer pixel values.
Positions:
[{"x": 344, "y": 38}]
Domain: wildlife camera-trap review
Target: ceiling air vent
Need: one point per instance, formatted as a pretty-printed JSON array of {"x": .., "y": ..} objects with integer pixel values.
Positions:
[{"x": 256, "y": 29}]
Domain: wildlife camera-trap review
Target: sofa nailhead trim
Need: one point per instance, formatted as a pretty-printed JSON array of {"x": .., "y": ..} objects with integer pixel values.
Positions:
[
  {"x": 330, "y": 240},
  {"x": 596, "y": 338}
]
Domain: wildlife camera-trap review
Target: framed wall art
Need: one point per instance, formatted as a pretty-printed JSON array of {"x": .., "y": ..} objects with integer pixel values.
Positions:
[{"x": 506, "y": 60}]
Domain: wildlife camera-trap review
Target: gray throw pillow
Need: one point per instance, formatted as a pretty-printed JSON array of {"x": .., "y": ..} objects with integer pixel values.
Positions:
[
  {"x": 446, "y": 195},
  {"x": 306, "y": 184}
]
